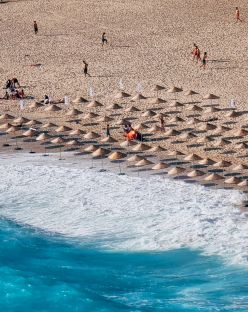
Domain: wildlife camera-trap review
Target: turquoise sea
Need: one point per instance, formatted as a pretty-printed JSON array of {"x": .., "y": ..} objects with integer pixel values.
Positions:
[{"x": 71, "y": 240}]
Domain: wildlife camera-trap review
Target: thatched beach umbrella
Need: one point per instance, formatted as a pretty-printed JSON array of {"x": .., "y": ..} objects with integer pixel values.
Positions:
[
  {"x": 114, "y": 106},
  {"x": 100, "y": 153},
  {"x": 94, "y": 104},
  {"x": 193, "y": 121},
  {"x": 73, "y": 142},
  {"x": 233, "y": 180},
  {"x": 30, "y": 133},
  {"x": 33, "y": 123},
  {"x": 79, "y": 100},
  {"x": 52, "y": 108},
  {"x": 149, "y": 113},
  {"x": 90, "y": 116},
  {"x": 195, "y": 108},
  {"x": 210, "y": 97},
  {"x": 211, "y": 110},
  {"x": 192, "y": 157},
  {"x": 20, "y": 120},
  {"x": 207, "y": 126},
  {"x": 138, "y": 97},
  {"x": 77, "y": 132},
  {"x": 213, "y": 177},
  {"x": 91, "y": 135},
  {"x": 49, "y": 125},
  {"x": 13, "y": 129},
  {"x": 91, "y": 148},
  {"x": 141, "y": 147},
  {"x": 241, "y": 132},
  {"x": 63, "y": 129},
  {"x": 117, "y": 156},
  {"x": 176, "y": 170},
  {"x": 195, "y": 173},
  {"x": 207, "y": 161},
  {"x": 240, "y": 167},
  {"x": 157, "y": 100},
  {"x": 140, "y": 127},
  {"x": 43, "y": 137},
  {"x": 73, "y": 112},
  {"x": 242, "y": 145},
  {"x": 157, "y": 88},
  {"x": 154, "y": 129},
  {"x": 160, "y": 166},
  {"x": 243, "y": 183},
  {"x": 132, "y": 109},
  {"x": 5, "y": 126},
  {"x": 143, "y": 162},
  {"x": 60, "y": 141},
  {"x": 174, "y": 90},
  {"x": 36, "y": 105},
  {"x": 105, "y": 119},
  {"x": 205, "y": 139},
  {"x": 175, "y": 153},
  {"x": 223, "y": 164},
  {"x": 127, "y": 143},
  {"x": 109, "y": 139},
  {"x": 176, "y": 104},
  {"x": 172, "y": 132},
  {"x": 176, "y": 119},
  {"x": 188, "y": 136},
  {"x": 222, "y": 142},
  {"x": 156, "y": 149},
  {"x": 121, "y": 95},
  {"x": 221, "y": 129},
  {"x": 135, "y": 158},
  {"x": 6, "y": 117}
]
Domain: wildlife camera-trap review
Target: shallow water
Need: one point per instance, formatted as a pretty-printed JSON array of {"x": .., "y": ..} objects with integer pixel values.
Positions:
[{"x": 76, "y": 240}]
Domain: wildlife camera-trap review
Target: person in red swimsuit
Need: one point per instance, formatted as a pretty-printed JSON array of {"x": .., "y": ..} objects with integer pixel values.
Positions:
[{"x": 238, "y": 15}]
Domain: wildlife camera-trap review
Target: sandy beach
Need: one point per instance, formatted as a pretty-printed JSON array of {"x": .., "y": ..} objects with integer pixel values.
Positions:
[{"x": 149, "y": 43}]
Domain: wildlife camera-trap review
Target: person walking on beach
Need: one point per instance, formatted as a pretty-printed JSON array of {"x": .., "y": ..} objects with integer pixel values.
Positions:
[
  {"x": 104, "y": 39},
  {"x": 35, "y": 28},
  {"x": 107, "y": 131},
  {"x": 204, "y": 60},
  {"x": 162, "y": 123},
  {"x": 86, "y": 69},
  {"x": 194, "y": 52},
  {"x": 237, "y": 13}
]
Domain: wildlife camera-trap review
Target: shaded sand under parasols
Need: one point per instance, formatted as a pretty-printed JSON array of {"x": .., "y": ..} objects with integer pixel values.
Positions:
[{"x": 52, "y": 108}]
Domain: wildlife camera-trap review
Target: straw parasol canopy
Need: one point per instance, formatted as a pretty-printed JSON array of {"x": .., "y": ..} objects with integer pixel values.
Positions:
[
  {"x": 135, "y": 158},
  {"x": 207, "y": 126},
  {"x": 63, "y": 129},
  {"x": 43, "y": 137},
  {"x": 233, "y": 180},
  {"x": 195, "y": 173},
  {"x": 33, "y": 123},
  {"x": 12, "y": 129},
  {"x": 243, "y": 183},
  {"x": 240, "y": 167},
  {"x": 192, "y": 157},
  {"x": 149, "y": 113},
  {"x": 232, "y": 114},
  {"x": 143, "y": 162},
  {"x": 121, "y": 95},
  {"x": 222, "y": 142},
  {"x": 177, "y": 119},
  {"x": 213, "y": 177},
  {"x": 207, "y": 161},
  {"x": 91, "y": 135},
  {"x": 193, "y": 121},
  {"x": 58, "y": 140},
  {"x": 132, "y": 109},
  {"x": 157, "y": 88},
  {"x": 172, "y": 132},
  {"x": 79, "y": 100},
  {"x": 176, "y": 170},
  {"x": 138, "y": 97},
  {"x": 105, "y": 119},
  {"x": 223, "y": 164},
  {"x": 100, "y": 152},
  {"x": 127, "y": 143},
  {"x": 72, "y": 142},
  {"x": 141, "y": 147},
  {"x": 195, "y": 108},
  {"x": 187, "y": 136},
  {"x": 73, "y": 112},
  {"x": 221, "y": 129},
  {"x": 109, "y": 139},
  {"x": 241, "y": 132},
  {"x": 116, "y": 156},
  {"x": 210, "y": 96},
  {"x": 49, "y": 125},
  {"x": 205, "y": 139},
  {"x": 6, "y": 126},
  {"x": 156, "y": 149},
  {"x": 157, "y": 101},
  {"x": 30, "y": 133},
  {"x": 154, "y": 129},
  {"x": 190, "y": 93},
  {"x": 176, "y": 104},
  {"x": 140, "y": 126},
  {"x": 242, "y": 145},
  {"x": 160, "y": 166},
  {"x": 90, "y": 116},
  {"x": 52, "y": 108},
  {"x": 36, "y": 105},
  {"x": 211, "y": 110},
  {"x": 91, "y": 148},
  {"x": 174, "y": 90},
  {"x": 114, "y": 106},
  {"x": 94, "y": 104},
  {"x": 77, "y": 132},
  {"x": 6, "y": 117},
  {"x": 175, "y": 153},
  {"x": 21, "y": 120}
]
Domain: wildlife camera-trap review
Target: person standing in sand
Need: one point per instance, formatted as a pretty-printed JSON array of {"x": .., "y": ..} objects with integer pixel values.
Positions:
[
  {"x": 86, "y": 69},
  {"x": 237, "y": 13},
  {"x": 194, "y": 52},
  {"x": 204, "y": 60},
  {"x": 104, "y": 39},
  {"x": 35, "y": 28},
  {"x": 162, "y": 123},
  {"x": 107, "y": 131}
]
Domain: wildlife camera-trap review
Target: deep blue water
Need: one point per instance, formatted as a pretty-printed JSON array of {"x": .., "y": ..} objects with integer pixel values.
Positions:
[{"x": 41, "y": 272}]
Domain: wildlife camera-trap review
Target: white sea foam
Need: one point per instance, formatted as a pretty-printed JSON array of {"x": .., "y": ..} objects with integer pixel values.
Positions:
[{"x": 124, "y": 212}]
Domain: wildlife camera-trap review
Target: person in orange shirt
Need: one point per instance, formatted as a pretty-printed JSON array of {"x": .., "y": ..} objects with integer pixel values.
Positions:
[{"x": 238, "y": 15}]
